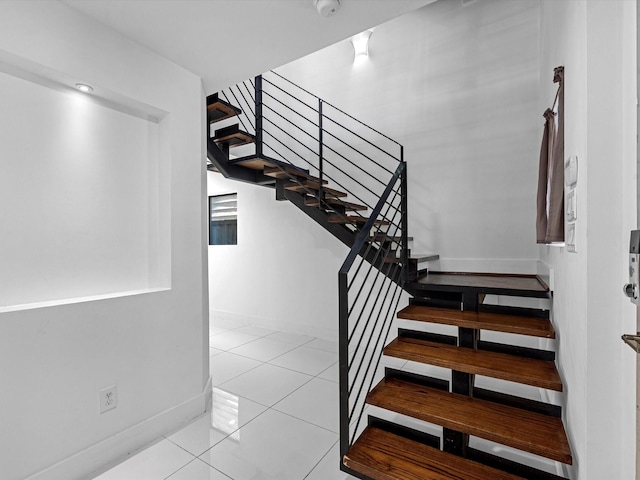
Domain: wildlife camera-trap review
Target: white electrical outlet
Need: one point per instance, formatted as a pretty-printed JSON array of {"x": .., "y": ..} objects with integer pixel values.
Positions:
[{"x": 108, "y": 398}]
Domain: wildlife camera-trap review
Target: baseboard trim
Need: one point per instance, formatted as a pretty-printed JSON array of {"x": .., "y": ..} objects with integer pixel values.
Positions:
[{"x": 101, "y": 456}]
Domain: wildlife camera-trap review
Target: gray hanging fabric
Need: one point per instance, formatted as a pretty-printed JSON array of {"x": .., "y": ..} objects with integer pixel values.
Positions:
[{"x": 550, "y": 199}]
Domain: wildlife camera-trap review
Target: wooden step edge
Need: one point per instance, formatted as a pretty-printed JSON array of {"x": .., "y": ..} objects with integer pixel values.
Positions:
[
  {"x": 423, "y": 257},
  {"x": 218, "y": 109},
  {"x": 236, "y": 139},
  {"x": 307, "y": 186},
  {"x": 288, "y": 172},
  {"x": 354, "y": 219},
  {"x": 382, "y": 455},
  {"x": 415, "y": 259},
  {"x": 354, "y": 207},
  {"x": 219, "y": 112},
  {"x": 528, "y": 371},
  {"x": 497, "y": 283},
  {"x": 214, "y": 101},
  {"x": 531, "y": 432},
  {"x": 531, "y": 326},
  {"x": 380, "y": 237}
]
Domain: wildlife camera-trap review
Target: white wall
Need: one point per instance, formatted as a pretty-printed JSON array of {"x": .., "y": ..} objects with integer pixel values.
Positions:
[
  {"x": 283, "y": 273},
  {"x": 152, "y": 344},
  {"x": 79, "y": 220},
  {"x": 457, "y": 86},
  {"x": 596, "y": 42}
]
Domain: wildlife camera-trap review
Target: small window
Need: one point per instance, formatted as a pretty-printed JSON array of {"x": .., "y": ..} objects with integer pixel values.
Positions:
[{"x": 223, "y": 219}]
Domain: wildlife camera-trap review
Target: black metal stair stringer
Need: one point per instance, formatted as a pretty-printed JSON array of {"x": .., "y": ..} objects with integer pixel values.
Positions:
[
  {"x": 220, "y": 160},
  {"x": 371, "y": 254},
  {"x": 338, "y": 230}
]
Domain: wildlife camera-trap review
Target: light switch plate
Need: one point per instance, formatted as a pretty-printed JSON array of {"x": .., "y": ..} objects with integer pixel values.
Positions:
[
  {"x": 571, "y": 205},
  {"x": 571, "y": 238},
  {"x": 571, "y": 171}
]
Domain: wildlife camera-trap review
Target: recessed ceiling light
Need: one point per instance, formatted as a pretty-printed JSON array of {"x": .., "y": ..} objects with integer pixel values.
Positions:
[{"x": 83, "y": 87}]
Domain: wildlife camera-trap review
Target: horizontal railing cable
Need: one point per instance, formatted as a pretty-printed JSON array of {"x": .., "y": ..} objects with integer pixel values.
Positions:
[
  {"x": 289, "y": 108},
  {"x": 361, "y": 138},
  {"x": 310, "y": 135},
  {"x": 388, "y": 265},
  {"x": 368, "y": 347},
  {"x": 334, "y": 107},
  {"x": 289, "y": 94},
  {"x": 386, "y": 331},
  {"x": 240, "y": 117}
]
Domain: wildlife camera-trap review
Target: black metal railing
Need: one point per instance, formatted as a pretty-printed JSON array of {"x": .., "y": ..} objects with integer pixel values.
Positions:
[
  {"x": 301, "y": 130},
  {"x": 369, "y": 293},
  {"x": 297, "y": 128}
]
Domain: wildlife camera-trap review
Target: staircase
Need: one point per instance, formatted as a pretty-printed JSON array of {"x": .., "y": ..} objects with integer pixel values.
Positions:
[{"x": 426, "y": 418}]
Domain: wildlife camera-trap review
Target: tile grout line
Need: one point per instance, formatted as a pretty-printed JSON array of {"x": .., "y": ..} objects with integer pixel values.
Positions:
[{"x": 321, "y": 459}]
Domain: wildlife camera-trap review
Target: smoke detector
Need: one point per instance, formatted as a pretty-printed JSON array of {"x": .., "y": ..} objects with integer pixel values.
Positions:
[{"x": 327, "y": 8}]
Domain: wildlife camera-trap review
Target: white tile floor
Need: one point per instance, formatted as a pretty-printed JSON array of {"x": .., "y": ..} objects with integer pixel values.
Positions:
[{"x": 274, "y": 414}]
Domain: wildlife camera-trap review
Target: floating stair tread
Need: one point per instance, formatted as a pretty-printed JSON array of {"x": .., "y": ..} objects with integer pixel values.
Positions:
[
  {"x": 288, "y": 172},
  {"x": 486, "y": 281},
  {"x": 308, "y": 185},
  {"x": 423, "y": 257},
  {"x": 539, "y": 373},
  {"x": 415, "y": 258},
  {"x": 383, "y": 455},
  {"x": 331, "y": 201},
  {"x": 535, "y": 327},
  {"x": 535, "y": 433},
  {"x": 233, "y": 136},
  {"x": 219, "y": 110},
  {"x": 253, "y": 162},
  {"x": 381, "y": 237},
  {"x": 354, "y": 219}
]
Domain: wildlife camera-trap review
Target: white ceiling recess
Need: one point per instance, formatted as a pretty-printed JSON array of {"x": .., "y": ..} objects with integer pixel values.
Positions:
[{"x": 227, "y": 41}]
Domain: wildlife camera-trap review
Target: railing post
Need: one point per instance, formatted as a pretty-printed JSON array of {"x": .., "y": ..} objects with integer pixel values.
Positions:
[
  {"x": 320, "y": 153},
  {"x": 258, "y": 100},
  {"x": 404, "y": 222},
  {"x": 343, "y": 362}
]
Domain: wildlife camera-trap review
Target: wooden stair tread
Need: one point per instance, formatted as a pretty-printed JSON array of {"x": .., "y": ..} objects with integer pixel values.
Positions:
[
  {"x": 383, "y": 455},
  {"x": 381, "y": 237},
  {"x": 539, "y": 373},
  {"x": 485, "y": 281},
  {"x": 288, "y": 172},
  {"x": 535, "y": 433},
  {"x": 314, "y": 202},
  {"x": 536, "y": 327},
  {"x": 218, "y": 109},
  {"x": 354, "y": 219},
  {"x": 253, "y": 162},
  {"x": 416, "y": 258},
  {"x": 233, "y": 136},
  {"x": 423, "y": 257},
  {"x": 313, "y": 186}
]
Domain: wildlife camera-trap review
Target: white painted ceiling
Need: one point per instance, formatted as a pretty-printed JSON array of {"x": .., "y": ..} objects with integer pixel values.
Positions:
[{"x": 226, "y": 41}]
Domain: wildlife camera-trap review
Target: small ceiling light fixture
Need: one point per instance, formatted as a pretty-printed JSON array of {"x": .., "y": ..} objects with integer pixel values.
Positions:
[
  {"x": 83, "y": 87},
  {"x": 327, "y": 8},
  {"x": 360, "y": 44}
]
